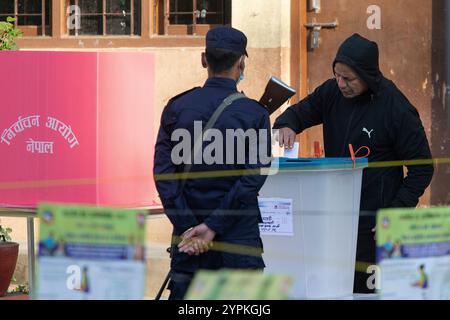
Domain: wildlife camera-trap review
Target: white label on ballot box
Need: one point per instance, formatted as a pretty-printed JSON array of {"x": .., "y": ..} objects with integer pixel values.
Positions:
[{"x": 277, "y": 216}]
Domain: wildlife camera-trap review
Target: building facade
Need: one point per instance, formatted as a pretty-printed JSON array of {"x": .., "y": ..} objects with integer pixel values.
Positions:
[{"x": 295, "y": 40}]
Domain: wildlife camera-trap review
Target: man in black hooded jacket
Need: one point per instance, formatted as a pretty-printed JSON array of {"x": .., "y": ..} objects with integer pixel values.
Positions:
[{"x": 363, "y": 108}]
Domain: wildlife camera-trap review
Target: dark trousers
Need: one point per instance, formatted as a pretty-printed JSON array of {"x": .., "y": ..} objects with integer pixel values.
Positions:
[
  {"x": 179, "y": 285},
  {"x": 365, "y": 256},
  {"x": 215, "y": 260}
]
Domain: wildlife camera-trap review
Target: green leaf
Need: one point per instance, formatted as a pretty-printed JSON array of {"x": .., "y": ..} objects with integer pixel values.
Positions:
[
  {"x": 10, "y": 19},
  {"x": 8, "y": 35}
]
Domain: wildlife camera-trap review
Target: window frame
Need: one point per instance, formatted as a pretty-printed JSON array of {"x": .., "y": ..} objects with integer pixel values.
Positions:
[
  {"x": 43, "y": 14},
  {"x": 192, "y": 29},
  {"x": 150, "y": 20},
  {"x": 105, "y": 15}
]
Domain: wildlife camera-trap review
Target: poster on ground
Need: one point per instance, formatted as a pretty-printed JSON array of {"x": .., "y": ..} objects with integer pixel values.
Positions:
[
  {"x": 413, "y": 253},
  {"x": 239, "y": 285},
  {"x": 90, "y": 253}
]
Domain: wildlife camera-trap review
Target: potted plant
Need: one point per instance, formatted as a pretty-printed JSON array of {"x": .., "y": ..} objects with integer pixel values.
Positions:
[
  {"x": 9, "y": 252},
  {"x": 9, "y": 34}
]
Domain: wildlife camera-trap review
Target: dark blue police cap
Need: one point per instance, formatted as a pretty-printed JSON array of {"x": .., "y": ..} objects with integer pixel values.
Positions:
[{"x": 227, "y": 38}]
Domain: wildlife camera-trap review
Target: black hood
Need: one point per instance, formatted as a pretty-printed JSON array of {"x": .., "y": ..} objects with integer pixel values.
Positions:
[{"x": 362, "y": 56}]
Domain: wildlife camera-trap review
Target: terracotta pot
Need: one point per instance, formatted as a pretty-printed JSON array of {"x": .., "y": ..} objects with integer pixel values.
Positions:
[{"x": 9, "y": 252}]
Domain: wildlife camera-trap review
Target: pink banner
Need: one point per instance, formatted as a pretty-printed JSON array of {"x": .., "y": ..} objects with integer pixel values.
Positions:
[{"x": 76, "y": 127}]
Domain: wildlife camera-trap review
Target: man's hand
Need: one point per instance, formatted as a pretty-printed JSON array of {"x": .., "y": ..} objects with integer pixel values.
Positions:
[
  {"x": 286, "y": 137},
  {"x": 197, "y": 240}
]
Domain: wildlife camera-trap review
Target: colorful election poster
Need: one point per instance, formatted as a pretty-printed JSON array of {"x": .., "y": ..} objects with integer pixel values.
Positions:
[
  {"x": 239, "y": 285},
  {"x": 413, "y": 253},
  {"x": 90, "y": 253}
]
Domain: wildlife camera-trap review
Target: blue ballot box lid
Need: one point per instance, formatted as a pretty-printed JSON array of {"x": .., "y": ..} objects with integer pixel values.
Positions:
[{"x": 320, "y": 163}]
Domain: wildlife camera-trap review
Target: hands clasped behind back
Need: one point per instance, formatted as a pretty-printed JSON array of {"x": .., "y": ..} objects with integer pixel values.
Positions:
[{"x": 196, "y": 240}]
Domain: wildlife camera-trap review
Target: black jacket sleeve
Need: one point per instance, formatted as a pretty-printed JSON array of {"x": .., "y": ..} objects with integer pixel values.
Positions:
[
  {"x": 411, "y": 143},
  {"x": 307, "y": 113},
  {"x": 169, "y": 187}
]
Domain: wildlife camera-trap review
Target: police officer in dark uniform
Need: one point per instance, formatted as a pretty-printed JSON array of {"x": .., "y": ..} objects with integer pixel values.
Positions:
[{"x": 221, "y": 207}]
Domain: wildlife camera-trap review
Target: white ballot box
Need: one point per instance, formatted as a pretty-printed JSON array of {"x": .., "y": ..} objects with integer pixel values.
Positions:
[{"x": 310, "y": 211}]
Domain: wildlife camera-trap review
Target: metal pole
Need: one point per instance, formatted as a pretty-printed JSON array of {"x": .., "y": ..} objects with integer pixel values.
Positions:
[
  {"x": 104, "y": 17},
  {"x": 77, "y": 17},
  {"x": 16, "y": 13},
  {"x": 43, "y": 13},
  {"x": 166, "y": 16},
  {"x": 31, "y": 258},
  {"x": 447, "y": 57},
  {"x": 194, "y": 17},
  {"x": 131, "y": 17}
]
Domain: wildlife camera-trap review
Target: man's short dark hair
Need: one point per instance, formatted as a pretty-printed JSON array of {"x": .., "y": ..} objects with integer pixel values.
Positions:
[{"x": 220, "y": 60}]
